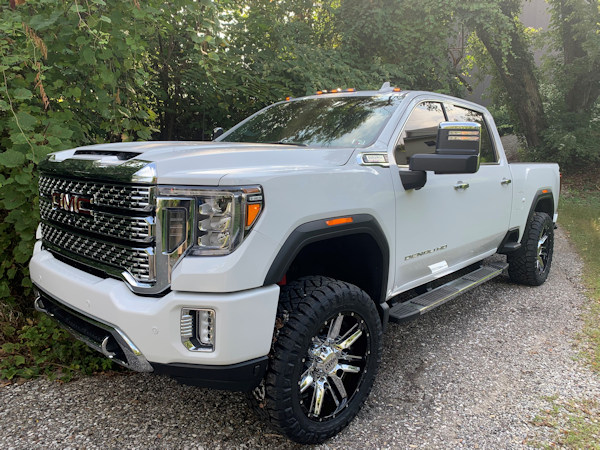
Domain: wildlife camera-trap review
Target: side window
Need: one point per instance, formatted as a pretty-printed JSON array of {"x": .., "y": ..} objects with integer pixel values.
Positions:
[
  {"x": 420, "y": 132},
  {"x": 458, "y": 114}
]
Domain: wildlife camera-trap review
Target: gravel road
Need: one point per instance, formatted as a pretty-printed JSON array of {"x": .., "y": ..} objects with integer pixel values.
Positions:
[{"x": 472, "y": 373}]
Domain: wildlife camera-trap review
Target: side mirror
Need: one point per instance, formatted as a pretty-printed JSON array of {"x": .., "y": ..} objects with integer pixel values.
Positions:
[
  {"x": 217, "y": 132},
  {"x": 457, "y": 150}
]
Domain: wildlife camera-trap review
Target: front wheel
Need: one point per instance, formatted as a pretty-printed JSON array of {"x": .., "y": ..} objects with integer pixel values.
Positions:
[
  {"x": 324, "y": 359},
  {"x": 531, "y": 263}
]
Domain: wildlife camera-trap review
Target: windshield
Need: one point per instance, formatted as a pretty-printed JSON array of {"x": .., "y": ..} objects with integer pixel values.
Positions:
[{"x": 321, "y": 122}]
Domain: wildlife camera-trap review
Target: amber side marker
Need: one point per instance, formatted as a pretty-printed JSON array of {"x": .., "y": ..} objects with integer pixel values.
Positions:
[
  {"x": 252, "y": 213},
  {"x": 545, "y": 191},
  {"x": 339, "y": 221}
]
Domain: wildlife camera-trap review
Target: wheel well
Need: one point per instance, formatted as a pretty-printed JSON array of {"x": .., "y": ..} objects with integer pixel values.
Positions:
[
  {"x": 546, "y": 205},
  {"x": 356, "y": 259}
]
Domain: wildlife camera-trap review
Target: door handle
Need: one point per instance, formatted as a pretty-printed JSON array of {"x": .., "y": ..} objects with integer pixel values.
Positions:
[
  {"x": 461, "y": 185},
  {"x": 506, "y": 181}
]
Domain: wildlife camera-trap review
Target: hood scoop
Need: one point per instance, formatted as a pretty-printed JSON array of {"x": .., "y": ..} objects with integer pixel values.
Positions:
[{"x": 121, "y": 156}]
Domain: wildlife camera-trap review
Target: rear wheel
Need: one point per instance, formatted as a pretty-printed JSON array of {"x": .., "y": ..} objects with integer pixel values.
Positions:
[
  {"x": 530, "y": 264},
  {"x": 324, "y": 359}
]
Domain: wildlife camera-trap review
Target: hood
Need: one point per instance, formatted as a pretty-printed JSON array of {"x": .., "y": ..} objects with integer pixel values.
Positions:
[{"x": 197, "y": 163}]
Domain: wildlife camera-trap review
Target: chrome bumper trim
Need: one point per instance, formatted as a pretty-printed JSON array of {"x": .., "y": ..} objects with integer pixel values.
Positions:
[{"x": 131, "y": 358}]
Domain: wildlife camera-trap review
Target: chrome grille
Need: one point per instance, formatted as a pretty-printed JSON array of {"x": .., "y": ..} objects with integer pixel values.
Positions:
[
  {"x": 138, "y": 229},
  {"x": 137, "y": 261},
  {"x": 116, "y": 235},
  {"x": 136, "y": 198}
]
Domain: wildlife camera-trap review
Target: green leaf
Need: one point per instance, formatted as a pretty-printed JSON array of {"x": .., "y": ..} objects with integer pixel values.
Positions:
[
  {"x": 26, "y": 120},
  {"x": 88, "y": 56},
  {"x": 10, "y": 158},
  {"x": 4, "y": 106},
  {"x": 22, "y": 94},
  {"x": 58, "y": 131}
]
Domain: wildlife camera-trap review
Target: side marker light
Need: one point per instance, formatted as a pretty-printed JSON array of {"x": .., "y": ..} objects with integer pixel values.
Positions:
[{"x": 339, "y": 221}]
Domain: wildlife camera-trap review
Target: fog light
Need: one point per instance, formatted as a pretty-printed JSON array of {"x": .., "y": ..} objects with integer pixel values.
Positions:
[{"x": 198, "y": 329}]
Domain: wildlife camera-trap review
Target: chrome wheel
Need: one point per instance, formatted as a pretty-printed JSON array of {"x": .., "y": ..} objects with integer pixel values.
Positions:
[
  {"x": 531, "y": 263},
  {"x": 542, "y": 251},
  {"x": 324, "y": 359},
  {"x": 334, "y": 366}
]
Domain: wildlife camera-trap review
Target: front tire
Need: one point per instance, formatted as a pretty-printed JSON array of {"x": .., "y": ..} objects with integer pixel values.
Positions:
[
  {"x": 530, "y": 264},
  {"x": 324, "y": 359}
]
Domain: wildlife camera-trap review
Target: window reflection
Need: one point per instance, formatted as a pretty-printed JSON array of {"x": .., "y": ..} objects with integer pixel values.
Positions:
[
  {"x": 321, "y": 122},
  {"x": 420, "y": 132}
]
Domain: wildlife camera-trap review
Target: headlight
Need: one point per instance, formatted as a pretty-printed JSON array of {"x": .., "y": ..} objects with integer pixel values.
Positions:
[{"x": 221, "y": 218}]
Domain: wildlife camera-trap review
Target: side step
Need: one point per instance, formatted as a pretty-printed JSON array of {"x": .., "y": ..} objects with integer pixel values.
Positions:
[{"x": 403, "y": 312}]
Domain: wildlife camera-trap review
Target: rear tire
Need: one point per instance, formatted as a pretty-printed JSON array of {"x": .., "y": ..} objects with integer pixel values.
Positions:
[
  {"x": 531, "y": 264},
  {"x": 324, "y": 359}
]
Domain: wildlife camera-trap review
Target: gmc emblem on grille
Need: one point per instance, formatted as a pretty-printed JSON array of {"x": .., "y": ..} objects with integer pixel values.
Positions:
[{"x": 71, "y": 202}]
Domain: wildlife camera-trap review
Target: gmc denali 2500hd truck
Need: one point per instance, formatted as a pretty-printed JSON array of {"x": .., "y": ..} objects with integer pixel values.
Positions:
[{"x": 270, "y": 259}]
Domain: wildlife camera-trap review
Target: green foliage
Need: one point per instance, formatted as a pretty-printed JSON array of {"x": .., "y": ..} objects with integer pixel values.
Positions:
[
  {"x": 42, "y": 348},
  {"x": 573, "y": 423},
  {"x": 579, "y": 214},
  {"x": 568, "y": 80}
]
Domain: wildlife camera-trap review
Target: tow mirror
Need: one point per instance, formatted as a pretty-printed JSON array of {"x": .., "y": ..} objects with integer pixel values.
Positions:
[
  {"x": 457, "y": 150},
  {"x": 217, "y": 132}
]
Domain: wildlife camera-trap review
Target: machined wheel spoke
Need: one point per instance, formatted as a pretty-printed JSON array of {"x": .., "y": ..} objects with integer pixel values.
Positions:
[
  {"x": 346, "y": 357},
  {"x": 306, "y": 381},
  {"x": 336, "y": 325},
  {"x": 348, "y": 368},
  {"x": 318, "y": 397},
  {"x": 331, "y": 391},
  {"x": 339, "y": 385},
  {"x": 540, "y": 263},
  {"x": 542, "y": 240},
  {"x": 349, "y": 332},
  {"x": 347, "y": 343}
]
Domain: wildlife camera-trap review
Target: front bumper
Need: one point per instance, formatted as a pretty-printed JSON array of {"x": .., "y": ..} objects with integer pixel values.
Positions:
[{"x": 149, "y": 327}]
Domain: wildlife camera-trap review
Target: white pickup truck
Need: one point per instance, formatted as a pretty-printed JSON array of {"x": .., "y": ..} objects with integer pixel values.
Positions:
[{"x": 270, "y": 260}]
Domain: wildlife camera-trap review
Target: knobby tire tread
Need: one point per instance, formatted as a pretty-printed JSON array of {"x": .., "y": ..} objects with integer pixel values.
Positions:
[{"x": 301, "y": 303}]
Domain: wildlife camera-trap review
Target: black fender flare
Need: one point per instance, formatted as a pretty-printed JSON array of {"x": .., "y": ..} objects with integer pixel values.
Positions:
[
  {"x": 540, "y": 195},
  {"x": 319, "y": 230}
]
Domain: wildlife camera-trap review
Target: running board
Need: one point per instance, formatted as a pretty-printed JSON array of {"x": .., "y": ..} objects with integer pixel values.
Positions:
[{"x": 438, "y": 296}]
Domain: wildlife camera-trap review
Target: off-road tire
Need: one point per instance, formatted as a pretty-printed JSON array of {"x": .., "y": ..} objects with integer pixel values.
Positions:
[
  {"x": 524, "y": 264},
  {"x": 306, "y": 308}
]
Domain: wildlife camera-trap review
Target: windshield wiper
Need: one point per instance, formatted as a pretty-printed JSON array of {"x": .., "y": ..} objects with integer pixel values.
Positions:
[{"x": 284, "y": 142}]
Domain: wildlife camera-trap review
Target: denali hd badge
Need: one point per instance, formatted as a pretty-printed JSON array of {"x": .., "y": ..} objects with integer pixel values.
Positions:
[{"x": 71, "y": 202}]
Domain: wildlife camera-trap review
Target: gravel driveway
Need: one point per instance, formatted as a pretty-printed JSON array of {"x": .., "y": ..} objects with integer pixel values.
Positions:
[{"x": 473, "y": 373}]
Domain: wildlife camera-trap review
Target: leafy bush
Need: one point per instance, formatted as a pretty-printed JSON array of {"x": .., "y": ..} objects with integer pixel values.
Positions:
[{"x": 42, "y": 348}]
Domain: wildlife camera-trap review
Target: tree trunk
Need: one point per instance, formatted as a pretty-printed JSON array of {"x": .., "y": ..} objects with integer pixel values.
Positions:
[
  {"x": 585, "y": 73},
  {"x": 516, "y": 69}
]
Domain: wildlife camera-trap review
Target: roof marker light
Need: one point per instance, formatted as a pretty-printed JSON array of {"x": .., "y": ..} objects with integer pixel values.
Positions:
[
  {"x": 287, "y": 99},
  {"x": 350, "y": 90},
  {"x": 396, "y": 89}
]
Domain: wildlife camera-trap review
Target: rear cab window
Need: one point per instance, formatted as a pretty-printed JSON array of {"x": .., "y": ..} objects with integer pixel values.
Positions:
[{"x": 459, "y": 114}]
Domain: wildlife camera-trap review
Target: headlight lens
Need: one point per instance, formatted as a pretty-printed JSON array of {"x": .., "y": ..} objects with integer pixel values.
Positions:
[{"x": 222, "y": 217}]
